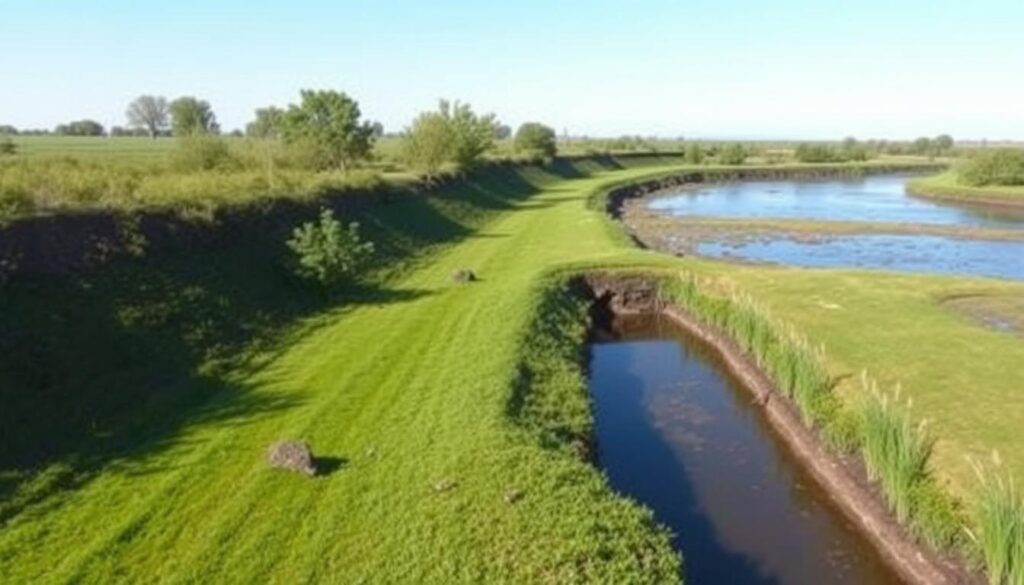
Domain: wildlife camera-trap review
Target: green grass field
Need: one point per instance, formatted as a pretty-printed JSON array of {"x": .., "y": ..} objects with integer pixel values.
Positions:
[
  {"x": 948, "y": 186},
  {"x": 409, "y": 387}
]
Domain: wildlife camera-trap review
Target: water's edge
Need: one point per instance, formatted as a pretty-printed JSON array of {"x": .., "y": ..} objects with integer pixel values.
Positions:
[{"x": 843, "y": 479}]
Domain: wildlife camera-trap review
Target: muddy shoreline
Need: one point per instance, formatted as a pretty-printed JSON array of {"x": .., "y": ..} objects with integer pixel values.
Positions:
[{"x": 842, "y": 477}]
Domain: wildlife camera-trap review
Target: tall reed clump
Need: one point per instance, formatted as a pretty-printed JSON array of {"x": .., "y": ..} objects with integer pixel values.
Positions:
[
  {"x": 895, "y": 450},
  {"x": 997, "y": 513},
  {"x": 792, "y": 363}
]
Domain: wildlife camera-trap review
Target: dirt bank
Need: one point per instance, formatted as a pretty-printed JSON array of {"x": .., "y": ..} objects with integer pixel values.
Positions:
[{"x": 843, "y": 478}]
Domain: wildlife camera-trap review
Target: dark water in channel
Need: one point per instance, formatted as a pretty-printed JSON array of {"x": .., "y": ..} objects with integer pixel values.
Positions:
[{"x": 677, "y": 433}]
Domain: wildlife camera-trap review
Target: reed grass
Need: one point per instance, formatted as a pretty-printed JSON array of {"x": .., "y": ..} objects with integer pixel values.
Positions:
[
  {"x": 997, "y": 511},
  {"x": 895, "y": 449}
]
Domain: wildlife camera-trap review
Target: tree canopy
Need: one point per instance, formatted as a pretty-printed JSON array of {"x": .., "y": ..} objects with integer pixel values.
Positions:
[
  {"x": 191, "y": 116},
  {"x": 148, "y": 112},
  {"x": 328, "y": 122},
  {"x": 536, "y": 139}
]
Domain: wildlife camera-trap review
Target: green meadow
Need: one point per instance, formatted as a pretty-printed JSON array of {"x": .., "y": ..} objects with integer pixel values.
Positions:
[{"x": 153, "y": 407}]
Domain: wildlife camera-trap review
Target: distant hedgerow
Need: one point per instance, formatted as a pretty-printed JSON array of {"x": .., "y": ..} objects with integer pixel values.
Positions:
[{"x": 327, "y": 252}]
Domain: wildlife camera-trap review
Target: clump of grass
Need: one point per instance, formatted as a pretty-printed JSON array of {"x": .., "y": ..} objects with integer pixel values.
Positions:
[
  {"x": 895, "y": 450},
  {"x": 997, "y": 511}
]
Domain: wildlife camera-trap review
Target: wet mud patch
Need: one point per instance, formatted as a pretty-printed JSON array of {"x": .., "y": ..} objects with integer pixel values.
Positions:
[{"x": 1002, "y": 313}]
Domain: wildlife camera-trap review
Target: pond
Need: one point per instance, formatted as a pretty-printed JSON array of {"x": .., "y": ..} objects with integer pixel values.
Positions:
[
  {"x": 909, "y": 253},
  {"x": 880, "y": 198},
  {"x": 875, "y": 199},
  {"x": 677, "y": 433}
]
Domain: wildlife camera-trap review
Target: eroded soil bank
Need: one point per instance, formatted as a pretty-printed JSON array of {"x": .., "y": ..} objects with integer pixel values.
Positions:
[{"x": 841, "y": 478}]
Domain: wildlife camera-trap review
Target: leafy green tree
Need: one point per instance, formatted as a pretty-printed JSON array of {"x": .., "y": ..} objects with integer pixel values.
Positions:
[
  {"x": 328, "y": 253},
  {"x": 536, "y": 139},
  {"x": 8, "y": 130},
  {"x": 694, "y": 154},
  {"x": 328, "y": 123},
  {"x": 429, "y": 143},
  {"x": 267, "y": 124},
  {"x": 191, "y": 117},
  {"x": 473, "y": 134},
  {"x": 80, "y": 128},
  {"x": 150, "y": 113},
  {"x": 943, "y": 142}
]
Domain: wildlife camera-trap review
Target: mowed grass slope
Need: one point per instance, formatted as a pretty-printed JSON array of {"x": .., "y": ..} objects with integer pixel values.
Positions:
[
  {"x": 401, "y": 396},
  {"x": 410, "y": 393}
]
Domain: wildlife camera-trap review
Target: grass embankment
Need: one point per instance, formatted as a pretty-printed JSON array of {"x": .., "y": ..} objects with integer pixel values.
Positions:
[
  {"x": 949, "y": 186},
  {"x": 407, "y": 387}
]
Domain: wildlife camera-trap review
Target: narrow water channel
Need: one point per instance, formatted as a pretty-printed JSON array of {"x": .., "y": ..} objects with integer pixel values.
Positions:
[{"x": 677, "y": 433}]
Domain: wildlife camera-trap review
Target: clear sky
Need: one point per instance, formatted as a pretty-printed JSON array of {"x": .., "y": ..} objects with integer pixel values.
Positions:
[{"x": 716, "y": 68}]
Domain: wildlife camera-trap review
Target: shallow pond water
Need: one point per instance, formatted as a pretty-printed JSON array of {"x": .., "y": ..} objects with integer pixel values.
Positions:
[
  {"x": 879, "y": 198},
  {"x": 908, "y": 253},
  {"x": 677, "y": 433}
]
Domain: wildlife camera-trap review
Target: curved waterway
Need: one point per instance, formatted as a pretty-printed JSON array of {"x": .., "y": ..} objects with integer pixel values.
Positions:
[
  {"x": 876, "y": 199},
  {"x": 676, "y": 432},
  {"x": 880, "y": 198}
]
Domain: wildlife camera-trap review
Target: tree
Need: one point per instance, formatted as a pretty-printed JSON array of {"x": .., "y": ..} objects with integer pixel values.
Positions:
[
  {"x": 503, "y": 132},
  {"x": 267, "y": 124},
  {"x": 148, "y": 112},
  {"x": 80, "y": 128},
  {"x": 429, "y": 143},
  {"x": 329, "y": 123},
  {"x": 536, "y": 139},
  {"x": 943, "y": 142},
  {"x": 473, "y": 134},
  {"x": 191, "y": 117},
  {"x": 694, "y": 154},
  {"x": 6, "y": 129}
]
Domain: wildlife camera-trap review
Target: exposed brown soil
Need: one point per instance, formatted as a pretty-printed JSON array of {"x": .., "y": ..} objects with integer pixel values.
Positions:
[{"x": 843, "y": 478}]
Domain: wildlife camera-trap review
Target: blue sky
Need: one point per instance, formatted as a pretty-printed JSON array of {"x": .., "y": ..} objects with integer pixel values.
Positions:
[{"x": 729, "y": 68}]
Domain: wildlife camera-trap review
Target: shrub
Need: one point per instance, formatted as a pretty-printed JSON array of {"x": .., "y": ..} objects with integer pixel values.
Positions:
[
  {"x": 823, "y": 153},
  {"x": 694, "y": 154},
  {"x": 998, "y": 166},
  {"x": 536, "y": 140},
  {"x": 202, "y": 152},
  {"x": 328, "y": 253},
  {"x": 7, "y": 146},
  {"x": 733, "y": 154}
]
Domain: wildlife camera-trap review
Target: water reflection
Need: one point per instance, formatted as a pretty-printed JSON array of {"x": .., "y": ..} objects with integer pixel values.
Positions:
[{"x": 676, "y": 433}]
